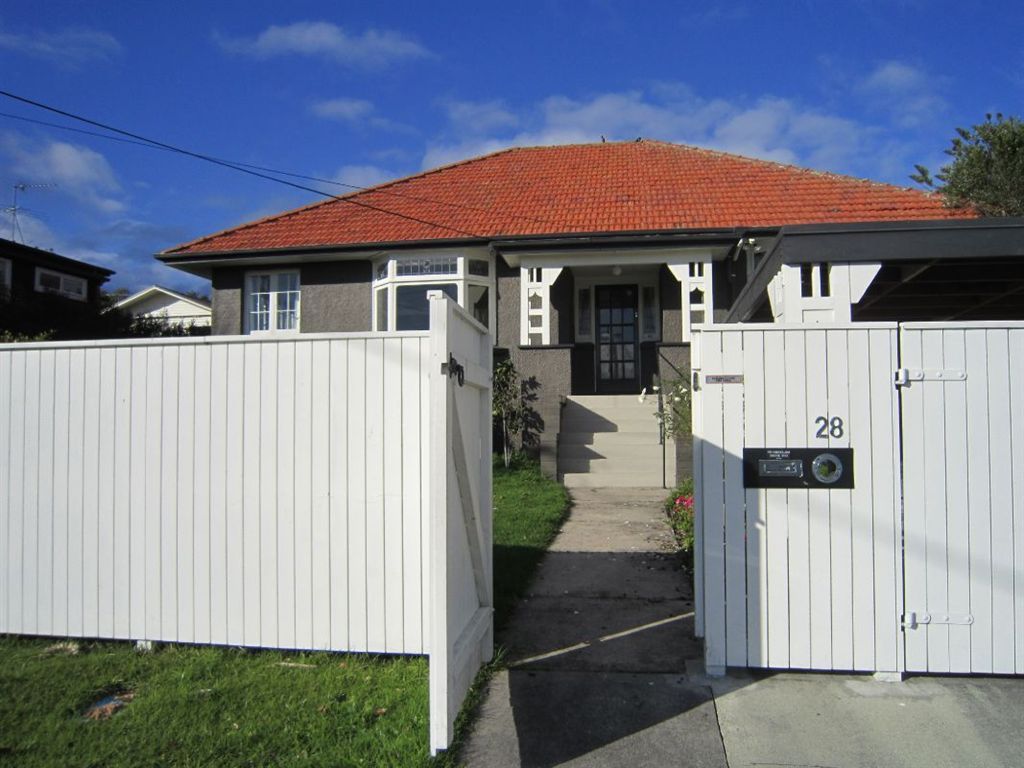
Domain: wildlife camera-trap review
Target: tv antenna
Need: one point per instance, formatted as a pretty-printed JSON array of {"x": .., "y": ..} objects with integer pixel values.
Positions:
[{"x": 17, "y": 187}]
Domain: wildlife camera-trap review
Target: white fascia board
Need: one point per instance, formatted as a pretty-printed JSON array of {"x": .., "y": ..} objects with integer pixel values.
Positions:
[
  {"x": 610, "y": 257},
  {"x": 153, "y": 289}
]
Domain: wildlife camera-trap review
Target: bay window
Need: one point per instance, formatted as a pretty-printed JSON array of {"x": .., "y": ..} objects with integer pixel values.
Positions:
[
  {"x": 272, "y": 302},
  {"x": 401, "y": 284}
]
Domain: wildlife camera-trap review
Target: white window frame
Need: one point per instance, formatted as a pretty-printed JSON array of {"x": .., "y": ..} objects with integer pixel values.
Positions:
[
  {"x": 386, "y": 278},
  {"x": 62, "y": 291},
  {"x": 5, "y": 275},
  {"x": 246, "y": 310}
]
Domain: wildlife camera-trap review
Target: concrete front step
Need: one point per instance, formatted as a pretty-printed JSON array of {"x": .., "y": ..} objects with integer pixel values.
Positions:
[
  {"x": 615, "y": 479},
  {"x": 606, "y": 439},
  {"x": 610, "y": 421},
  {"x": 597, "y": 402},
  {"x": 625, "y": 453}
]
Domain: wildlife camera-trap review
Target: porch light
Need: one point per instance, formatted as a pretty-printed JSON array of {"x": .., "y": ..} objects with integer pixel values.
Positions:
[{"x": 616, "y": 270}]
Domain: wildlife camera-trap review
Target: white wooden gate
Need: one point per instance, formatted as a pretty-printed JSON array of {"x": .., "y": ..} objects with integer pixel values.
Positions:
[
  {"x": 917, "y": 568},
  {"x": 962, "y": 391},
  {"x": 461, "y": 588},
  {"x": 304, "y": 493}
]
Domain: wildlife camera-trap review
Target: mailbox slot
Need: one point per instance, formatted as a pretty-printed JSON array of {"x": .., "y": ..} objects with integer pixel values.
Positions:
[{"x": 798, "y": 468}]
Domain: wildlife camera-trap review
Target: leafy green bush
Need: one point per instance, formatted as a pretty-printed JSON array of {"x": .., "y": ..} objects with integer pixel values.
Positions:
[{"x": 679, "y": 507}]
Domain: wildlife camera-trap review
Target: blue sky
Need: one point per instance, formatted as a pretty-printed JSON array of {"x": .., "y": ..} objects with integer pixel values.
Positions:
[{"x": 364, "y": 92}]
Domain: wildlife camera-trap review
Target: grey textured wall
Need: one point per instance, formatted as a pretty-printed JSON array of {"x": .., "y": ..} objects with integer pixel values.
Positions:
[
  {"x": 562, "y": 314},
  {"x": 507, "y": 309},
  {"x": 671, "y": 303},
  {"x": 551, "y": 368},
  {"x": 673, "y": 364},
  {"x": 227, "y": 285},
  {"x": 335, "y": 297}
]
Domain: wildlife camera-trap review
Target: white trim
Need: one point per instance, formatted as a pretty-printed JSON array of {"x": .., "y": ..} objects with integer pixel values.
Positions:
[
  {"x": 246, "y": 293},
  {"x": 62, "y": 291}
]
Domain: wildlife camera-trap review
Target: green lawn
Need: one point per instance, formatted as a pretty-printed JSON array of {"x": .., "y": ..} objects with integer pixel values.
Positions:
[{"x": 197, "y": 706}]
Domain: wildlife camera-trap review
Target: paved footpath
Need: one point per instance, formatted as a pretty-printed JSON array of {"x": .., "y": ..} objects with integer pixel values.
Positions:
[{"x": 597, "y": 651}]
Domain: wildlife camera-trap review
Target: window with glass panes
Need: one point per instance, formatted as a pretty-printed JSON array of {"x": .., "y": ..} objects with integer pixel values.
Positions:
[{"x": 272, "y": 302}]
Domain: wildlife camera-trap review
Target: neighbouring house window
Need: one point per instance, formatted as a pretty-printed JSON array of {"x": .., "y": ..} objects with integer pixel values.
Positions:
[
  {"x": 401, "y": 284},
  {"x": 5, "y": 277},
  {"x": 69, "y": 286},
  {"x": 272, "y": 302},
  {"x": 814, "y": 281},
  {"x": 584, "y": 321}
]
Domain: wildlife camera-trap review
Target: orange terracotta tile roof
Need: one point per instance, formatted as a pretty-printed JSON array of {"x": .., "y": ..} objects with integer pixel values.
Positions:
[{"x": 582, "y": 188}]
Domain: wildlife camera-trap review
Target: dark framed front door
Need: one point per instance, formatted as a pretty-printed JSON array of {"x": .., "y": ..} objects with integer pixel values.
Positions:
[{"x": 618, "y": 361}]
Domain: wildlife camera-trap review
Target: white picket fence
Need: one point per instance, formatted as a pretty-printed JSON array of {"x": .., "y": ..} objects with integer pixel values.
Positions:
[
  {"x": 246, "y": 491},
  {"x": 917, "y": 568}
]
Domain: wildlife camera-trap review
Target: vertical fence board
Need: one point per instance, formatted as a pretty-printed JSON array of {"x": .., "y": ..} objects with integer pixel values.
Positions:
[
  {"x": 358, "y": 456},
  {"x": 376, "y": 597},
  {"x": 735, "y": 514},
  {"x": 753, "y": 366},
  {"x": 184, "y": 513},
  {"x": 713, "y": 500},
  {"x": 202, "y": 530},
  {"x": 798, "y": 507},
  {"x": 393, "y": 555},
  {"x": 776, "y": 516},
  {"x": 75, "y": 491},
  {"x": 840, "y": 519},
  {"x": 302, "y": 481},
  {"x": 47, "y": 622},
  {"x": 284, "y": 511},
  {"x": 412, "y": 497},
  {"x": 819, "y": 551},
  {"x": 322, "y": 387},
  {"x": 341, "y": 499}
]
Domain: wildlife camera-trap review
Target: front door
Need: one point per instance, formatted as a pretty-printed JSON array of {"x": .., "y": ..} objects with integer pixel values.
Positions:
[{"x": 618, "y": 365}]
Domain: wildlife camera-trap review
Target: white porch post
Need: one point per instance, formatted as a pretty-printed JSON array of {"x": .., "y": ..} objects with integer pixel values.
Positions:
[
  {"x": 694, "y": 275},
  {"x": 535, "y": 303}
]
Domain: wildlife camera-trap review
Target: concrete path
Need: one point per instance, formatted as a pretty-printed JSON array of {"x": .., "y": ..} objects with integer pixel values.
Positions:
[
  {"x": 598, "y": 649},
  {"x": 604, "y": 671}
]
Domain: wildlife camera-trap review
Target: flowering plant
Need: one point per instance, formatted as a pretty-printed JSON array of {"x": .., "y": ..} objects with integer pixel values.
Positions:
[
  {"x": 679, "y": 507},
  {"x": 676, "y": 409}
]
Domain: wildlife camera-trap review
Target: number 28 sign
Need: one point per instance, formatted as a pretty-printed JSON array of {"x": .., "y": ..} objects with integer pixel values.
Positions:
[{"x": 829, "y": 427}]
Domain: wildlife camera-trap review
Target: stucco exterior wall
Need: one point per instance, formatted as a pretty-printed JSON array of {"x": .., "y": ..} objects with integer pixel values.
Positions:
[
  {"x": 226, "y": 296},
  {"x": 335, "y": 297}
]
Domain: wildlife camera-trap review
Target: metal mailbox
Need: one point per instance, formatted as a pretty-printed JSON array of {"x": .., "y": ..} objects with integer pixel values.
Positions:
[{"x": 798, "y": 468}]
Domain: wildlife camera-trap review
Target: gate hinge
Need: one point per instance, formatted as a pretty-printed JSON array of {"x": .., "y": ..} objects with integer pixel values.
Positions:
[
  {"x": 904, "y": 376},
  {"x": 453, "y": 369},
  {"x": 914, "y": 619}
]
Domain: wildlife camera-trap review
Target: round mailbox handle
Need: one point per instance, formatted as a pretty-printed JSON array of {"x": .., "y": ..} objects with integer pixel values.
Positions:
[{"x": 827, "y": 468}]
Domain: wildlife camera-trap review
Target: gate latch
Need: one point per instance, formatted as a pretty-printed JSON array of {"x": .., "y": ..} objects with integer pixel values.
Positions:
[
  {"x": 904, "y": 376},
  {"x": 454, "y": 369},
  {"x": 913, "y": 619}
]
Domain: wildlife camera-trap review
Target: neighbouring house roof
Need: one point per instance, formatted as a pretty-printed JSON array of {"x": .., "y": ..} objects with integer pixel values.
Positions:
[
  {"x": 12, "y": 249},
  {"x": 576, "y": 189},
  {"x": 154, "y": 290}
]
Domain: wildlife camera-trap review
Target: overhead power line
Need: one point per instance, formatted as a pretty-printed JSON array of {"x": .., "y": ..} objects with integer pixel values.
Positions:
[
  {"x": 227, "y": 164},
  {"x": 238, "y": 165}
]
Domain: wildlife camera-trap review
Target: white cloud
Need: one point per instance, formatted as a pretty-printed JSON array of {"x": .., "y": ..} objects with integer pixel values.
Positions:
[
  {"x": 371, "y": 49},
  {"x": 69, "y": 47},
  {"x": 480, "y": 116},
  {"x": 344, "y": 110},
  {"x": 75, "y": 170},
  {"x": 909, "y": 94},
  {"x": 356, "y": 112},
  {"x": 769, "y": 128},
  {"x": 362, "y": 175}
]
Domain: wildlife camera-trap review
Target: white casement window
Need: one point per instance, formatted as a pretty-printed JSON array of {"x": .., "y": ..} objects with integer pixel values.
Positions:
[
  {"x": 5, "y": 277},
  {"x": 401, "y": 283},
  {"x": 60, "y": 284},
  {"x": 272, "y": 302}
]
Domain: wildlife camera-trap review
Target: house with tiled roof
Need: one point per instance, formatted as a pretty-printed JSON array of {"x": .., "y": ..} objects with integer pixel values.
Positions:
[{"x": 592, "y": 264}]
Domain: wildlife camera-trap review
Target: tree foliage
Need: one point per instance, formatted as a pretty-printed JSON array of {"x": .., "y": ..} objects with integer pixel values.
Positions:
[{"x": 987, "y": 169}]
